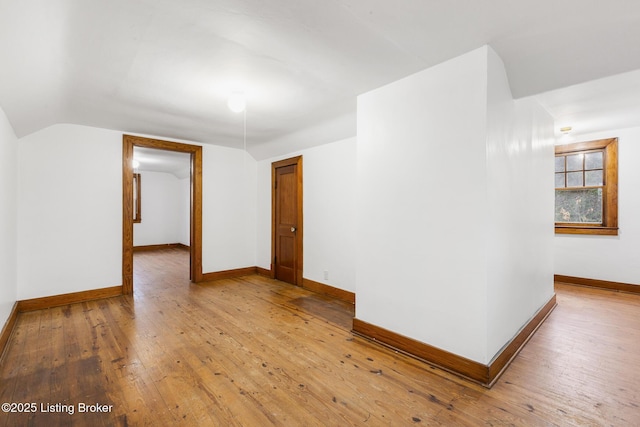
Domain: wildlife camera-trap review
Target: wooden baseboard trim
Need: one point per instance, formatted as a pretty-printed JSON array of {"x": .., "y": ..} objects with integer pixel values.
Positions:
[
  {"x": 504, "y": 357},
  {"x": 432, "y": 355},
  {"x": 263, "y": 272},
  {"x": 65, "y": 299},
  {"x": 145, "y": 248},
  {"x": 228, "y": 274},
  {"x": 594, "y": 283},
  {"x": 331, "y": 291},
  {"x": 7, "y": 329},
  {"x": 486, "y": 375}
]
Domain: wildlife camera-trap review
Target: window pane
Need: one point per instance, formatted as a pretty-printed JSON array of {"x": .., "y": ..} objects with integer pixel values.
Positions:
[
  {"x": 593, "y": 160},
  {"x": 559, "y": 180},
  {"x": 579, "y": 206},
  {"x": 574, "y": 162},
  {"x": 574, "y": 179},
  {"x": 560, "y": 164},
  {"x": 593, "y": 178}
]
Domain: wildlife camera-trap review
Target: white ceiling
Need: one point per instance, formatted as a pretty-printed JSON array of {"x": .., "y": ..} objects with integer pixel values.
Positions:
[
  {"x": 166, "y": 67},
  {"x": 605, "y": 104},
  {"x": 154, "y": 160}
]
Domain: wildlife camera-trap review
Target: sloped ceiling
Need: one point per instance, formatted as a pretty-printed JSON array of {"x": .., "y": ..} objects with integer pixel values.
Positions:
[{"x": 166, "y": 67}]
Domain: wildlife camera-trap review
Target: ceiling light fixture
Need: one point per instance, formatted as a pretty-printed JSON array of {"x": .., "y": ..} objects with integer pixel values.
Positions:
[
  {"x": 565, "y": 130},
  {"x": 237, "y": 101}
]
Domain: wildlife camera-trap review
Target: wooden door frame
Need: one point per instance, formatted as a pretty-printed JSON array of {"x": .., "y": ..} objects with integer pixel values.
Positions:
[
  {"x": 195, "y": 245},
  {"x": 297, "y": 161}
]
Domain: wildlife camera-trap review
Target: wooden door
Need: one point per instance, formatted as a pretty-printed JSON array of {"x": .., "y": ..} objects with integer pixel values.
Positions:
[{"x": 287, "y": 221}]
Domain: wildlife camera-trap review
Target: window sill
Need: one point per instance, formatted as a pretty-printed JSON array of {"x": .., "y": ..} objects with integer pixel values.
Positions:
[{"x": 594, "y": 230}]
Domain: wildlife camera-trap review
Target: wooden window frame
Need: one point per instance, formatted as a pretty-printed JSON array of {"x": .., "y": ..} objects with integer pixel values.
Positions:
[{"x": 609, "y": 226}]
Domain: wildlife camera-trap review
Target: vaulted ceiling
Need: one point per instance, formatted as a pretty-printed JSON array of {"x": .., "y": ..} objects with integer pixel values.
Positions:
[{"x": 166, "y": 67}]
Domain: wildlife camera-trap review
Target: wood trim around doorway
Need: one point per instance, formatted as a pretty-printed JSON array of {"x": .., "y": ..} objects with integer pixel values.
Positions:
[
  {"x": 297, "y": 161},
  {"x": 195, "y": 247}
]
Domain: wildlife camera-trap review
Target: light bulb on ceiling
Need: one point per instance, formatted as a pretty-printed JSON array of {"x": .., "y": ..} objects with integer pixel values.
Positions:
[{"x": 237, "y": 101}]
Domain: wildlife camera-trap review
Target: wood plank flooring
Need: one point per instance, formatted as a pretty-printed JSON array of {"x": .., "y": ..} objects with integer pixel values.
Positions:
[{"x": 257, "y": 352}]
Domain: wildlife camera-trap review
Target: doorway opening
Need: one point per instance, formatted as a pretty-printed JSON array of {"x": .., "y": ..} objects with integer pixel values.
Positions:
[{"x": 195, "y": 210}]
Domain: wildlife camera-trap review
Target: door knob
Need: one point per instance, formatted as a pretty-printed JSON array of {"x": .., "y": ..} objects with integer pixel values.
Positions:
[{"x": 293, "y": 229}]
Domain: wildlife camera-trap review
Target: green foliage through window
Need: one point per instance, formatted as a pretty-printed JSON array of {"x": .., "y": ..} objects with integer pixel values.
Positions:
[{"x": 579, "y": 206}]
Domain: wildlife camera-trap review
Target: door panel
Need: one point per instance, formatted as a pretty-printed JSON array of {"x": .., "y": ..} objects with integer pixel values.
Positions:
[
  {"x": 286, "y": 195},
  {"x": 285, "y": 260},
  {"x": 287, "y": 211}
]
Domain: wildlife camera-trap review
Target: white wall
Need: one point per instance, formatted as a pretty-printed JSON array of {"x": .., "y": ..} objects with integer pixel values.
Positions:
[
  {"x": 184, "y": 214},
  {"x": 163, "y": 220},
  {"x": 421, "y": 203},
  {"x": 328, "y": 212},
  {"x": 70, "y": 210},
  {"x": 8, "y": 218},
  {"x": 520, "y": 196},
  {"x": 229, "y": 209},
  {"x": 441, "y": 158},
  {"x": 610, "y": 258}
]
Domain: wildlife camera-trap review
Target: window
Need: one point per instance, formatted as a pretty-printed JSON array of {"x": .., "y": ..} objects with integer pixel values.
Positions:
[{"x": 586, "y": 175}]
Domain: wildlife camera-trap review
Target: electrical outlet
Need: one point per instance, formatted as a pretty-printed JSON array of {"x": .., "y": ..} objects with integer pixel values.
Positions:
[{"x": 326, "y": 275}]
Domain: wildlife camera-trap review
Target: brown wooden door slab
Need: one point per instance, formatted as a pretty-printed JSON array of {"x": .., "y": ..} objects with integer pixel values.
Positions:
[{"x": 287, "y": 221}]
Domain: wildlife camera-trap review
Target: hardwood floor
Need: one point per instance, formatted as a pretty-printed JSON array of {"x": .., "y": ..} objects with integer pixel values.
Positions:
[{"x": 256, "y": 352}]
